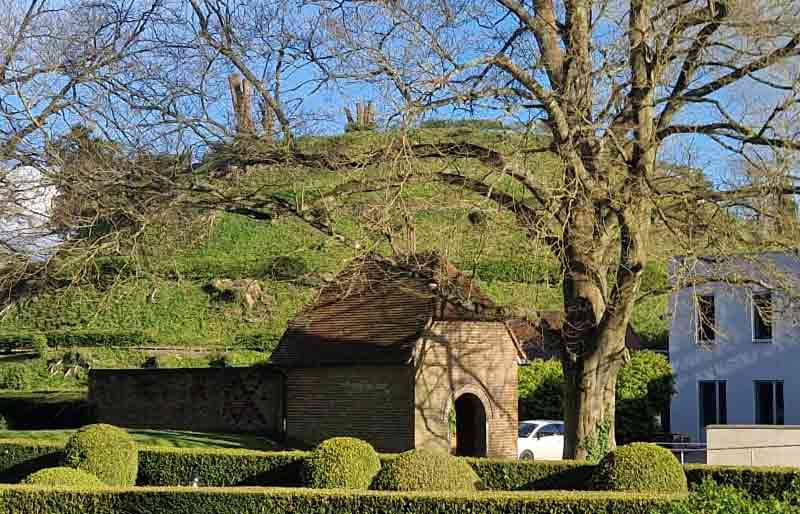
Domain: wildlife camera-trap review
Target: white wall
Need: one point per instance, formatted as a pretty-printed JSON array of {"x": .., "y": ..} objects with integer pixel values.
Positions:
[
  {"x": 734, "y": 357},
  {"x": 753, "y": 445},
  {"x": 26, "y": 198}
]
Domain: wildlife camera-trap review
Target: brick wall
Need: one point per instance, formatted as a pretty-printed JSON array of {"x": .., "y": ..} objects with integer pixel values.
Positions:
[
  {"x": 374, "y": 403},
  {"x": 203, "y": 400},
  {"x": 467, "y": 357}
]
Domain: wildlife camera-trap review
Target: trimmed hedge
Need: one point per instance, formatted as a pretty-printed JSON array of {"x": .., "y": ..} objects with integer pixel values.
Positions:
[
  {"x": 211, "y": 467},
  {"x": 341, "y": 463},
  {"x": 21, "y": 457},
  {"x": 641, "y": 467},
  {"x": 73, "y": 339},
  {"x": 426, "y": 470},
  {"x": 63, "y": 477},
  {"x": 34, "y": 500},
  {"x": 33, "y": 411},
  {"x": 758, "y": 482},
  {"x": 513, "y": 475},
  {"x": 105, "y": 451},
  {"x": 236, "y": 467}
]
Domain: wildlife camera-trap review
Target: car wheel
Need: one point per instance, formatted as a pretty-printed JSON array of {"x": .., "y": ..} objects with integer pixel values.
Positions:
[{"x": 526, "y": 455}]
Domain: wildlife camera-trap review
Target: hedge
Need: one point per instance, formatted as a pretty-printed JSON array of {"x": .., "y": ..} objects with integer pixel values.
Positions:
[
  {"x": 211, "y": 467},
  {"x": 228, "y": 467},
  {"x": 75, "y": 338},
  {"x": 21, "y": 457},
  {"x": 761, "y": 482},
  {"x": 512, "y": 475},
  {"x": 36, "y": 500}
]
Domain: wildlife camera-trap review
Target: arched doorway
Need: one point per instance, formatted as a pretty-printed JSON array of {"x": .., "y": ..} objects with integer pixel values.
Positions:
[{"x": 470, "y": 426}]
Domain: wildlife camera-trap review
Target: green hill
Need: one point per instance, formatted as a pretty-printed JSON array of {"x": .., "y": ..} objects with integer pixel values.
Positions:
[{"x": 166, "y": 291}]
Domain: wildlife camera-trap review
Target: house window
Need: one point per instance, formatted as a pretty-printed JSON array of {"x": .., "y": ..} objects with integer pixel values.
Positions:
[
  {"x": 769, "y": 402},
  {"x": 705, "y": 318},
  {"x": 713, "y": 402},
  {"x": 762, "y": 317}
]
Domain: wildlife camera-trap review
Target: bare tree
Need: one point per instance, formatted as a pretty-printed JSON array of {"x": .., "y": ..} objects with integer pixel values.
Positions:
[{"x": 617, "y": 86}]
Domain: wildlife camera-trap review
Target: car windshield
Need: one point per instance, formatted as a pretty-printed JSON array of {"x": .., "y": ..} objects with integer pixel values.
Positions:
[{"x": 527, "y": 429}]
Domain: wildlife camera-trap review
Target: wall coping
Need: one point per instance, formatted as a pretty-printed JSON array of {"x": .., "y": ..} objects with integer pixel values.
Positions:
[{"x": 753, "y": 427}]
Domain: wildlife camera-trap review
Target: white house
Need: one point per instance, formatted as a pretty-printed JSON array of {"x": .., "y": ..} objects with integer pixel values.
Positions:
[
  {"x": 734, "y": 342},
  {"x": 26, "y": 204}
]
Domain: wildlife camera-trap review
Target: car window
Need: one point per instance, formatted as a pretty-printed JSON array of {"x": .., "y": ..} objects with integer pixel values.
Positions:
[
  {"x": 526, "y": 429},
  {"x": 549, "y": 430}
]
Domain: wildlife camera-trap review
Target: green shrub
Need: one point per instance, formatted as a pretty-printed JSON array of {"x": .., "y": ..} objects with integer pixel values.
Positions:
[
  {"x": 37, "y": 411},
  {"x": 478, "y": 124},
  {"x": 16, "y": 341},
  {"x": 514, "y": 475},
  {"x": 258, "y": 341},
  {"x": 218, "y": 467},
  {"x": 640, "y": 467},
  {"x": 27, "y": 500},
  {"x": 710, "y": 498},
  {"x": 39, "y": 343},
  {"x": 16, "y": 377},
  {"x": 541, "y": 389},
  {"x": 219, "y": 360},
  {"x": 102, "y": 338},
  {"x": 342, "y": 463},
  {"x": 105, "y": 451},
  {"x": 65, "y": 477},
  {"x": 21, "y": 457},
  {"x": 644, "y": 390},
  {"x": 759, "y": 482},
  {"x": 425, "y": 470}
]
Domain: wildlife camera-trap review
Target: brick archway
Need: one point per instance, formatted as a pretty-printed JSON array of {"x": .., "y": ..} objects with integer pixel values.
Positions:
[{"x": 473, "y": 414}]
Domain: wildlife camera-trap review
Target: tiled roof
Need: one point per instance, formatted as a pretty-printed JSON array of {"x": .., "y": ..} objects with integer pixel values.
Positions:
[
  {"x": 376, "y": 310},
  {"x": 542, "y": 339}
]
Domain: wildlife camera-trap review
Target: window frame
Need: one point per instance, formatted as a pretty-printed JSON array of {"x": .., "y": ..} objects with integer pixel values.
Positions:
[
  {"x": 701, "y": 327},
  {"x": 755, "y": 314},
  {"x": 778, "y": 410},
  {"x": 720, "y": 400}
]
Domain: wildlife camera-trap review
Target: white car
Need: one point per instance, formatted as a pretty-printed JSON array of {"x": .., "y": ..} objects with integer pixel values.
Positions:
[{"x": 541, "y": 439}]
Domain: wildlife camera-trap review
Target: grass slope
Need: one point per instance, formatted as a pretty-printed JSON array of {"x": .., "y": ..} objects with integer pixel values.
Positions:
[{"x": 162, "y": 291}]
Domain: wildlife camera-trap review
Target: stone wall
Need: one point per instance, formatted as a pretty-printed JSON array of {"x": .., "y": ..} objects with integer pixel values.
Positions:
[
  {"x": 457, "y": 358},
  {"x": 202, "y": 400}
]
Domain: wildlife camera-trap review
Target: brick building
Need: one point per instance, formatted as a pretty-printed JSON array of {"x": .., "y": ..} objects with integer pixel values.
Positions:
[{"x": 390, "y": 349}]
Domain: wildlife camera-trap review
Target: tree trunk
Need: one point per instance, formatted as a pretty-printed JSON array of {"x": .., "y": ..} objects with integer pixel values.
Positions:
[{"x": 590, "y": 396}]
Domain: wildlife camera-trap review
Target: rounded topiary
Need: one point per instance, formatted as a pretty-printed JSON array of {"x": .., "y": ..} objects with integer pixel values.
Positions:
[
  {"x": 105, "y": 451},
  {"x": 641, "y": 467},
  {"x": 426, "y": 470},
  {"x": 67, "y": 477},
  {"x": 342, "y": 462}
]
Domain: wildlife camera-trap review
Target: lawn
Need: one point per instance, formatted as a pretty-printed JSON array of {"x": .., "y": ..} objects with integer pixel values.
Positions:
[{"x": 161, "y": 438}]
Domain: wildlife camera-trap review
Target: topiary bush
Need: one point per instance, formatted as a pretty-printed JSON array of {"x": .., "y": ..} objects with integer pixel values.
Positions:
[
  {"x": 426, "y": 470},
  {"x": 62, "y": 476},
  {"x": 640, "y": 467},
  {"x": 15, "y": 377},
  {"x": 105, "y": 451},
  {"x": 342, "y": 463}
]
